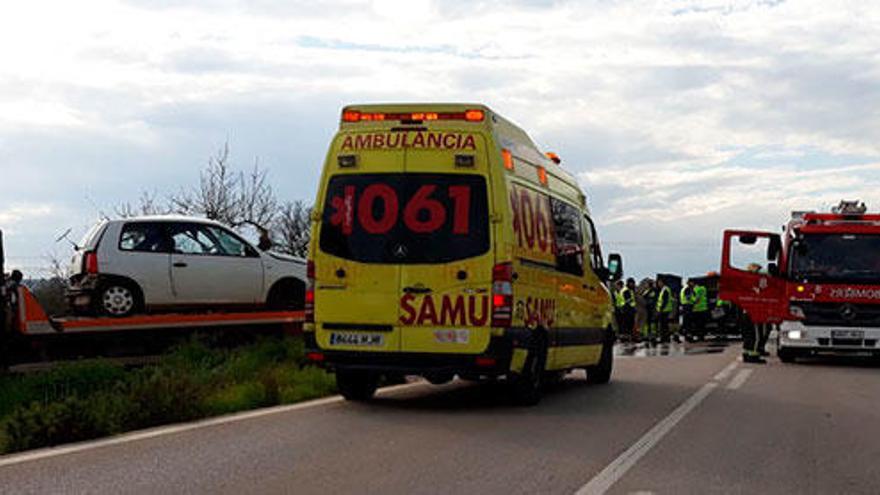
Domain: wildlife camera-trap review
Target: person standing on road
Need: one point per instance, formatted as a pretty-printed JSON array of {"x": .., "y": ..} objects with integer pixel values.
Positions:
[
  {"x": 649, "y": 328},
  {"x": 663, "y": 308},
  {"x": 700, "y": 311},
  {"x": 628, "y": 311},
  {"x": 752, "y": 332},
  {"x": 686, "y": 303},
  {"x": 9, "y": 301}
]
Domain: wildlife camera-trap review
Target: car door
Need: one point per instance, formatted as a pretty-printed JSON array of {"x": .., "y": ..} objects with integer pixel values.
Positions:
[
  {"x": 141, "y": 253},
  {"x": 749, "y": 268},
  {"x": 212, "y": 265}
]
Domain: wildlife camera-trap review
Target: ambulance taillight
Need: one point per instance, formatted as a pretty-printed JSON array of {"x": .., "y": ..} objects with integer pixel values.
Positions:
[
  {"x": 502, "y": 295},
  {"x": 310, "y": 293}
]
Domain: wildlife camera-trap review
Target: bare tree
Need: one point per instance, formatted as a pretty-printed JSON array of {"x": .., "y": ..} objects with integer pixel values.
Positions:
[
  {"x": 216, "y": 197},
  {"x": 292, "y": 228},
  {"x": 256, "y": 200},
  {"x": 147, "y": 204}
]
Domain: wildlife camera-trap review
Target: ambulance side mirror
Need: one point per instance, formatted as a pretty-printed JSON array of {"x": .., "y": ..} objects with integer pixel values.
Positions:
[{"x": 615, "y": 267}]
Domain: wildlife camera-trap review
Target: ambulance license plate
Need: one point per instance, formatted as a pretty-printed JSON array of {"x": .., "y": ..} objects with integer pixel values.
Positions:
[
  {"x": 357, "y": 339},
  {"x": 848, "y": 334}
]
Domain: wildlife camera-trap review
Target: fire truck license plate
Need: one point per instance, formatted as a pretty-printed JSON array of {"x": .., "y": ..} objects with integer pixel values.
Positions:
[
  {"x": 847, "y": 334},
  {"x": 361, "y": 339}
]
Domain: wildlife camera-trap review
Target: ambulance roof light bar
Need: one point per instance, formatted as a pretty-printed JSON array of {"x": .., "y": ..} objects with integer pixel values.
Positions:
[
  {"x": 850, "y": 208},
  {"x": 472, "y": 115}
]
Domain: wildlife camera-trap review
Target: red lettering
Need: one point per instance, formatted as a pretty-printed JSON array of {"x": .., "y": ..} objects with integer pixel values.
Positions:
[
  {"x": 365, "y": 208},
  {"x": 541, "y": 224},
  {"x": 346, "y": 143},
  {"x": 406, "y": 306},
  {"x": 449, "y": 143},
  {"x": 461, "y": 215},
  {"x": 517, "y": 224},
  {"x": 363, "y": 141},
  {"x": 478, "y": 320},
  {"x": 419, "y": 140},
  {"x": 394, "y": 140},
  {"x": 452, "y": 315},
  {"x": 344, "y": 206},
  {"x": 379, "y": 141},
  {"x": 528, "y": 219},
  {"x": 469, "y": 142},
  {"x": 422, "y": 202},
  {"x": 428, "y": 312},
  {"x": 434, "y": 139}
]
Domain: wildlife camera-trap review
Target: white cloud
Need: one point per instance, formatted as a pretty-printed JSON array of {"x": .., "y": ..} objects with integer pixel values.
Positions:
[{"x": 673, "y": 111}]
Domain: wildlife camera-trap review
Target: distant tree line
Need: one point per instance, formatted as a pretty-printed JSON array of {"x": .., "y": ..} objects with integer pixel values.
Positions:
[{"x": 238, "y": 198}]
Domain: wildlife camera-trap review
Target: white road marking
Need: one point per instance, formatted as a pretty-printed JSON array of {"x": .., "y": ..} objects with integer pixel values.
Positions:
[
  {"x": 723, "y": 374},
  {"x": 180, "y": 428},
  {"x": 739, "y": 379},
  {"x": 619, "y": 467}
]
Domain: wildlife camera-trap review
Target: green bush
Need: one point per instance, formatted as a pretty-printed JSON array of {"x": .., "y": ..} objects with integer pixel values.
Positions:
[{"x": 94, "y": 398}]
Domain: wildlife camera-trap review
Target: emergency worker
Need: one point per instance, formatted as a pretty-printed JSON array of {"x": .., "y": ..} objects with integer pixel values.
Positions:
[
  {"x": 663, "y": 307},
  {"x": 751, "y": 332},
  {"x": 617, "y": 294},
  {"x": 649, "y": 327},
  {"x": 686, "y": 303},
  {"x": 628, "y": 311},
  {"x": 699, "y": 311}
]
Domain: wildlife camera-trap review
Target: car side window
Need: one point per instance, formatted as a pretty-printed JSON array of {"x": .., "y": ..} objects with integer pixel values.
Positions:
[
  {"x": 568, "y": 237},
  {"x": 146, "y": 237},
  {"x": 194, "y": 239},
  {"x": 208, "y": 240},
  {"x": 230, "y": 243}
]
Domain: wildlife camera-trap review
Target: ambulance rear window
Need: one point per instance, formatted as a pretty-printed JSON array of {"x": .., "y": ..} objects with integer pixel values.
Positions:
[{"x": 405, "y": 218}]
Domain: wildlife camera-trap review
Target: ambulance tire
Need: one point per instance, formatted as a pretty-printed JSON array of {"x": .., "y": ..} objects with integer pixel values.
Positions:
[
  {"x": 439, "y": 378},
  {"x": 528, "y": 386},
  {"x": 601, "y": 373},
  {"x": 356, "y": 385}
]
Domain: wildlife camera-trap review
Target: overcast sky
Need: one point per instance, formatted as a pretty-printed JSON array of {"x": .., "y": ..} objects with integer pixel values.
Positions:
[{"x": 681, "y": 118}]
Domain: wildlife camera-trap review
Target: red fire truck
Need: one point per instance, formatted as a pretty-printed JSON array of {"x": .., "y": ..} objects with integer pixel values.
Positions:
[{"x": 819, "y": 280}]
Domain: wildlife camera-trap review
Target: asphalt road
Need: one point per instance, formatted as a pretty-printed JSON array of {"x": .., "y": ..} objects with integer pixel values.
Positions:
[{"x": 670, "y": 422}]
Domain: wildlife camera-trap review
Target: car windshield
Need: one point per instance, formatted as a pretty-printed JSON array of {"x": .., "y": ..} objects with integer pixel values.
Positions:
[
  {"x": 836, "y": 258},
  {"x": 405, "y": 218}
]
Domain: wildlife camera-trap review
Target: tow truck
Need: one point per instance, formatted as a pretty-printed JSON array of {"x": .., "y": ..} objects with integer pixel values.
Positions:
[
  {"x": 27, "y": 331},
  {"x": 819, "y": 281}
]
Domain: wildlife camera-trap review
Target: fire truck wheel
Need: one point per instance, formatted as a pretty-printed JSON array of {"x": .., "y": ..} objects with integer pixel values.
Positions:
[
  {"x": 118, "y": 299},
  {"x": 527, "y": 386},
  {"x": 601, "y": 373},
  {"x": 356, "y": 385},
  {"x": 786, "y": 355}
]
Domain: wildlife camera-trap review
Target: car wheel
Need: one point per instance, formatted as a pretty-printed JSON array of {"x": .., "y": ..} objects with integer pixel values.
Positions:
[
  {"x": 356, "y": 386},
  {"x": 601, "y": 373},
  {"x": 286, "y": 295},
  {"x": 527, "y": 386},
  {"x": 117, "y": 299}
]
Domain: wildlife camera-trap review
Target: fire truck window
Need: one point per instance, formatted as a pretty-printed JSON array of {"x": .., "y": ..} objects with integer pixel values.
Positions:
[{"x": 749, "y": 253}]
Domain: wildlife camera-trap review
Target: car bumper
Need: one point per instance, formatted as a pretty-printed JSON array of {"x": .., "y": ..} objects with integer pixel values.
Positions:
[
  {"x": 80, "y": 292},
  {"x": 797, "y": 336},
  {"x": 494, "y": 361}
]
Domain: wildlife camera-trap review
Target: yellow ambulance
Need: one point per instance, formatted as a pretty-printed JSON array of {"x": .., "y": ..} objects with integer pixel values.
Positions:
[{"x": 444, "y": 243}]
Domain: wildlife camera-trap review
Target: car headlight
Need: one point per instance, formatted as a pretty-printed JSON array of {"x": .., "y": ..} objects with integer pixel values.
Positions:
[
  {"x": 796, "y": 312},
  {"x": 795, "y": 334}
]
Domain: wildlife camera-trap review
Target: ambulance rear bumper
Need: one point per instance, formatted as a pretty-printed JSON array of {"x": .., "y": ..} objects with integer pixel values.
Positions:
[{"x": 494, "y": 361}]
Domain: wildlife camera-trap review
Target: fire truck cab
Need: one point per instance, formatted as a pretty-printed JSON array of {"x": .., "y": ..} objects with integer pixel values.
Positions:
[{"x": 819, "y": 281}]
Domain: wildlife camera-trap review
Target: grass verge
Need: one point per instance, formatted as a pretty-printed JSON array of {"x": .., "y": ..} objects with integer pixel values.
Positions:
[{"x": 94, "y": 398}]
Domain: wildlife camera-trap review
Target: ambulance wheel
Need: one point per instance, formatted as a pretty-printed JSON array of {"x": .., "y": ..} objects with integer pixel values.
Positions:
[
  {"x": 439, "y": 378},
  {"x": 527, "y": 386},
  {"x": 356, "y": 386},
  {"x": 601, "y": 372}
]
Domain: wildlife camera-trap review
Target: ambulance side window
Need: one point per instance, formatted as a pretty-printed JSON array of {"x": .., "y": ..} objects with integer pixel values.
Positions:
[
  {"x": 592, "y": 244},
  {"x": 568, "y": 237}
]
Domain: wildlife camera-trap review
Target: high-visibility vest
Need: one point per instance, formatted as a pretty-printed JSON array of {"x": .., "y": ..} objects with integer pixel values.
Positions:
[
  {"x": 686, "y": 297},
  {"x": 701, "y": 299},
  {"x": 627, "y": 298},
  {"x": 664, "y": 301},
  {"x": 618, "y": 299}
]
